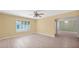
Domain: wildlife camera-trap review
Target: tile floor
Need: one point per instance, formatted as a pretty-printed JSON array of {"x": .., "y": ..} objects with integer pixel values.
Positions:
[{"x": 63, "y": 40}]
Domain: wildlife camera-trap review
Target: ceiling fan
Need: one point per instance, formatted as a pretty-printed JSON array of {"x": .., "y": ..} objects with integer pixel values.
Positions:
[{"x": 37, "y": 14}]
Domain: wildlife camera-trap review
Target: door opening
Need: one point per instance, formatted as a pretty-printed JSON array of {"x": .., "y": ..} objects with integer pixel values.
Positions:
[{"x": 68, "y": 26}]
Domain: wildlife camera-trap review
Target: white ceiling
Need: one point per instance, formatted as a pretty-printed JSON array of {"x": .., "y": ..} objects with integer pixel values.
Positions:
[{"x": 29, "y": 13}]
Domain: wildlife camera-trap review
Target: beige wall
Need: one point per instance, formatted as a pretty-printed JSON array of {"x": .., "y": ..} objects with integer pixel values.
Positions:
[
  {"x": 8, "y": 25},
  {"x": 44, "y": 26},
  {"x": 48, "y": 26},
  {"x": 69, "y": 14}
]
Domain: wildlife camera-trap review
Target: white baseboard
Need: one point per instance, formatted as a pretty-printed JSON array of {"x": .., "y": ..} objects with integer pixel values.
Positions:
[
  {"x": 11, "y": 36},
  {"x": 47, "y": 35},
  {"x": 68, "y": 32},
  {"x": 7, "y": 37}
]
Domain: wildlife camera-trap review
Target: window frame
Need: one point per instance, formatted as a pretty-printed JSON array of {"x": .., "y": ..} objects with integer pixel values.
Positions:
[{"x": 24, "y": 25}]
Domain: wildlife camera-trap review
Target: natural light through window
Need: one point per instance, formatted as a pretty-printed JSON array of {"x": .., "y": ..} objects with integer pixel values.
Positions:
[{"x": 22, "y": 25}]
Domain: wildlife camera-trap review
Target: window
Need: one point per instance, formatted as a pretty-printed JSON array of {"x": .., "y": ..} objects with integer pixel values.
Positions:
[{"x": 22, "y": 26}]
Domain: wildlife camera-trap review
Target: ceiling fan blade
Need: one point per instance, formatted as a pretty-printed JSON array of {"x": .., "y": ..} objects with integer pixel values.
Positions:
[
  {"x": 37, "y": 14},
  {"x": 41, "y": 14},
  {"x": 34, "y": 16}
]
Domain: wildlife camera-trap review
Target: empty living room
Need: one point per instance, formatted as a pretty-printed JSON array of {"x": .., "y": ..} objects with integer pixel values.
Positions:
[{"x": 39, "y": 29}]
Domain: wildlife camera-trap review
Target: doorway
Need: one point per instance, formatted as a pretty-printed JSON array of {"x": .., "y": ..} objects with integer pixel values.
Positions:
[{"x": 67, "y": 27}]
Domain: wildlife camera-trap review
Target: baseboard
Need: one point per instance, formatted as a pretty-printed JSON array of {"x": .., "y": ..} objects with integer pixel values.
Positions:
[
  {"x": 68, "y": 32},
  {"x": 7, "y": 37},
  {"x": 47, "y": 35},
  {"x": 12, "y": 36}
]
